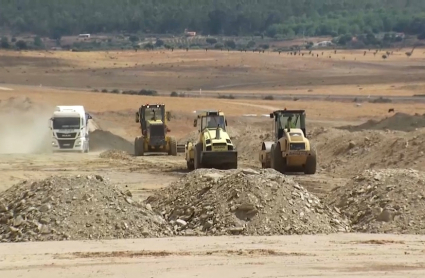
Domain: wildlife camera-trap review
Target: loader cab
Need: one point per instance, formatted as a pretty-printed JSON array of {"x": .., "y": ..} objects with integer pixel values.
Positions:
[
  {"x": 285, "y": 120},
  {"x": 151, "y": 113}
]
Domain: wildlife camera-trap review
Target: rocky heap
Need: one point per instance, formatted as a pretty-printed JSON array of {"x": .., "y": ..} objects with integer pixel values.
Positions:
[
  {"x": 383, "y": 201},
  {"x": 78, "y": 208},
  {"x": 243, "y": 201},
  {"x": 115, "y": 154}
]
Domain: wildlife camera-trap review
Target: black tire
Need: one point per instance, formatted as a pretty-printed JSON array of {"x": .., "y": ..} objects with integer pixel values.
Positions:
[
  {"x": 311, "y": 163},
  {"x": 173, "y": 146},
  {"x": 138, "y": 146},
  {"x": 197, "y": 157},
  {"x": 190, "y": 165},
  {"x": 277, "y": 162}
]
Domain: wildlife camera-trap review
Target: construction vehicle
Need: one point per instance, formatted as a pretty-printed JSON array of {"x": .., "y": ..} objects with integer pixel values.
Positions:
[
  {"x": 291, "y": 150},
  {"x": 213, "y": 149},
  {"x": 153, "y": 123},
  {"x": 69, "y": 129}
]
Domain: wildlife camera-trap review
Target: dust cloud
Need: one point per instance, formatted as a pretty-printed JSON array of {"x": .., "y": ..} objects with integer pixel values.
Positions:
[{"x": 24, "y": 127}]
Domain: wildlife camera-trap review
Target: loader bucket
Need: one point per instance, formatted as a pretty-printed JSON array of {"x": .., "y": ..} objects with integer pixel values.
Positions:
[{"x": 220, "y": 160}]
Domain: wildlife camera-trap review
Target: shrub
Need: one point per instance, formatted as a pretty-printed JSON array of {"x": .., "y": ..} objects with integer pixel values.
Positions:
[
  {"x": 21, "y": 44},
  {"x": 218, "y": 46},
  {"x": 381, "y": 100},
  {"x": 226, "y": 96},
  {"x": 211, "y": 40},
  {"x": 4, "y": 43},
  {"x": 230, "y": 44},
  {"x": 145, "y": 92}
]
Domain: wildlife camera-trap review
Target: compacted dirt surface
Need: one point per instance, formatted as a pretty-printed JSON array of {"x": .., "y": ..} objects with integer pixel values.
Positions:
[
  {"x": 336, "y": 255},
  {"x": 111, "y": 214}
]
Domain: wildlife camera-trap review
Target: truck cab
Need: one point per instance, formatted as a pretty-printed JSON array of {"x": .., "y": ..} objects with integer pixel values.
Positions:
[{"x": 69, "y": 129}]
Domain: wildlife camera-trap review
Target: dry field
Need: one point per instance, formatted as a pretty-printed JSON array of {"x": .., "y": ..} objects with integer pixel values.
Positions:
[
  {"x": 32, "y": 83},
  {"x": 346, "y": 72}
]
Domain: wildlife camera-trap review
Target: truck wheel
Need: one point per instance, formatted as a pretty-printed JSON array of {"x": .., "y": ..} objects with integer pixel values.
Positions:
[
  {"x": 311, "y": 163},
  {"x": 173, "y": 146}
]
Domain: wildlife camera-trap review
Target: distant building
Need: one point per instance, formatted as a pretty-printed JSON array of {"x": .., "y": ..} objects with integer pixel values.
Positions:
[
  {"x": 189, "y": 33},
  {"x": 323, "y": 44},
  {"x": 84, "y": 35}
]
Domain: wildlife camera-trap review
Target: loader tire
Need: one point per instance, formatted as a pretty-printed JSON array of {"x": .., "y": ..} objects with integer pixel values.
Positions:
[
  {"x": 138, "y": 146},
  {"x": 190, "y": 165},
  {"x": 197, "y": 159},
  {"x": 311, "y": 163},
  {"x": 277, "y": 161},
  {"x": 173, "y": 146}
]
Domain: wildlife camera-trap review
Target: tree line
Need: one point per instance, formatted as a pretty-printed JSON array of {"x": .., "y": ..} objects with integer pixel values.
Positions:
[{"x": 273, "y": 18}]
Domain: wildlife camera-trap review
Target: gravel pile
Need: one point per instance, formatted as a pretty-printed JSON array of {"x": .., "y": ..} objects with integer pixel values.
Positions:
[
  {"x": 383, "y": 201},
  {"x": 78, "y": 208},
  {"x": 243, "y": 201},
  {"x": 115, "y": 154}
]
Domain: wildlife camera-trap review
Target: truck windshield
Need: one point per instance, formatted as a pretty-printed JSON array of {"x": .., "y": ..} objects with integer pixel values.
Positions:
[{"x": 66, "y": 123}]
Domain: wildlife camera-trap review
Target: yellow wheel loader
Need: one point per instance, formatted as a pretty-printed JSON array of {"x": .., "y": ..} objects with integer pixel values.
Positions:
[
  {"x": 153, "y": 123},
  {"x": 214, "y": 149},
  {"x": 291, "y": 151}
]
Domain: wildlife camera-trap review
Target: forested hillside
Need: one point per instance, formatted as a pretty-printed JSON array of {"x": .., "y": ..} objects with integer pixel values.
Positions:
[{"x": 227, "y": 17}]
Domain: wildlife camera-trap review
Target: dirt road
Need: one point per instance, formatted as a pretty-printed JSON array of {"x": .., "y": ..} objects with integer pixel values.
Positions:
[
  {"x": 130, "y": 173},
  {"x": 348, "y": 255}
]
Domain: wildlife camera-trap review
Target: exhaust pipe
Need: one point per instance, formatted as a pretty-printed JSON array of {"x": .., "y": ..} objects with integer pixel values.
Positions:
[{"x": 217, "y": 134}]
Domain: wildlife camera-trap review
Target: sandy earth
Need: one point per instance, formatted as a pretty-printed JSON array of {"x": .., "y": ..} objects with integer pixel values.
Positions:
[
  {"x": 39, "y": 80},
  {"x": 290, "y": 256}
]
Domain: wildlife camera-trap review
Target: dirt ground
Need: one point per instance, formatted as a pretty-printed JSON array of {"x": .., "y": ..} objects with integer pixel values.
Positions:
[
  {"x": 352, "y": 255},
  {"x": 350, "y": 138}
]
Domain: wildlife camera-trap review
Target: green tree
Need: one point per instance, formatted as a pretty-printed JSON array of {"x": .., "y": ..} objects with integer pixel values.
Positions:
[
  {"x": 133, "y": 38},
  {"x": 4, "y": 43},
  {"x": 21, "y": 44},
  {"x": 38, "y": 42},
  {"x": 57, "y": 18}
]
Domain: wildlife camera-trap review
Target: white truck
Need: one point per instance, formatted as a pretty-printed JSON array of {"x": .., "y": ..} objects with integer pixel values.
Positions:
[{"x": 69, "y": 129}]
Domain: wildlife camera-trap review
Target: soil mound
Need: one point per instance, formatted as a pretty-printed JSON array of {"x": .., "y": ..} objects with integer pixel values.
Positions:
[
  {"x": 78, "y": 208},
  {"x": 348, "y": 153},
  {"x": 383, "y": 201},
  {"x": 115, "y": 154},
  {"x": 101, "y": 140},
  {"x": 400, "y": 121},
  {"x": 243, "y": 201}
]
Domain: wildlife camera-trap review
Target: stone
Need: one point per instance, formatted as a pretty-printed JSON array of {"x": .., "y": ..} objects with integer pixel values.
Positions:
[
  {"x": 45, "y": 208},
  {"x": 181, "y": 222}
]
